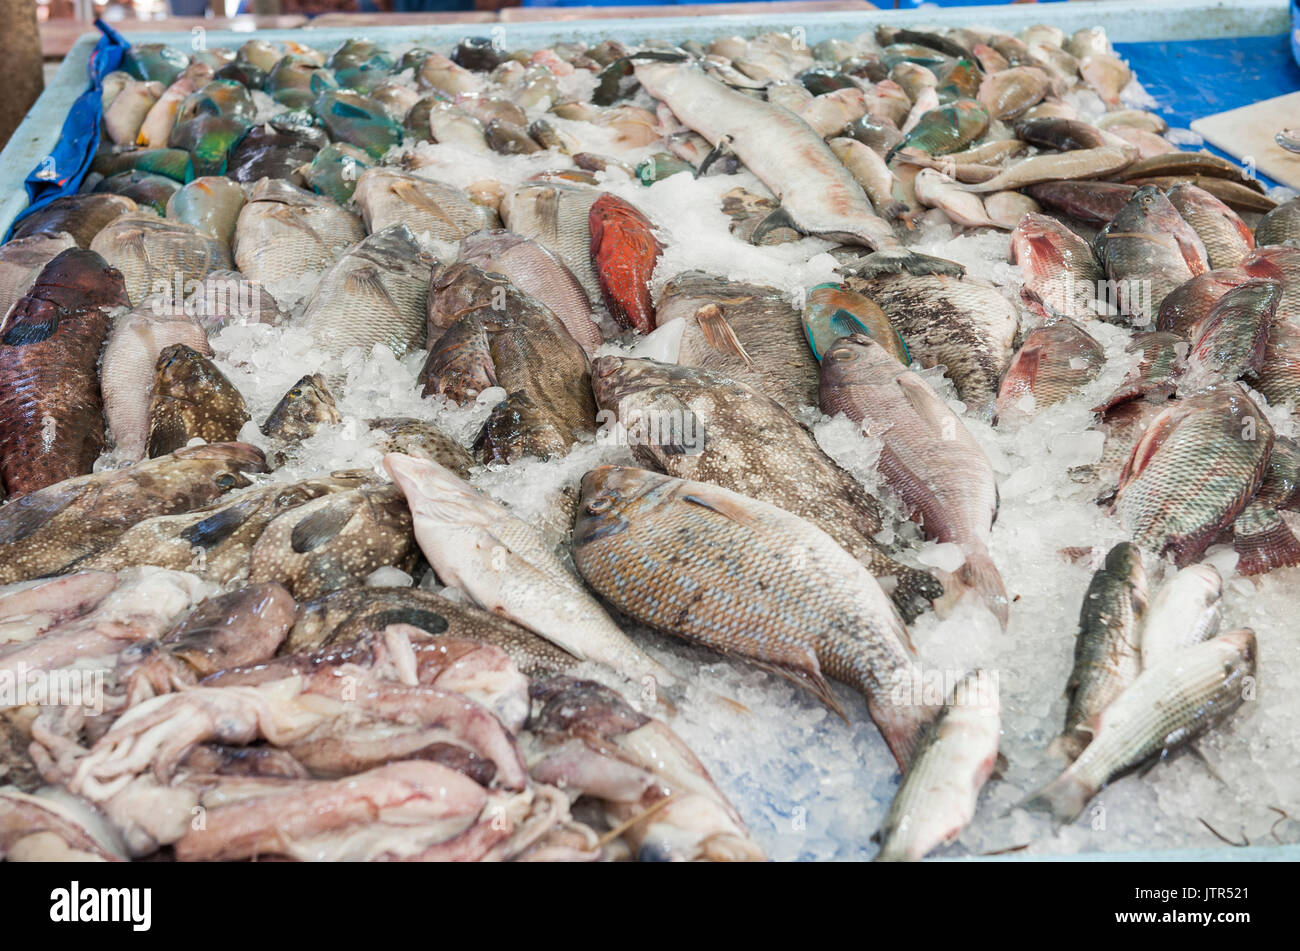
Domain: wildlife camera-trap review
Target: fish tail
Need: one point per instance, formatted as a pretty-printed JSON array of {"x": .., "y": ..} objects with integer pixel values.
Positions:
[
  {"x": 1069, "y": 744},
  {"x": 1265, "y": 543},
  {"x": 1064, "y": 798},
  {"x": 902, "y": 721},
  {"x": 981, "y": 575}
]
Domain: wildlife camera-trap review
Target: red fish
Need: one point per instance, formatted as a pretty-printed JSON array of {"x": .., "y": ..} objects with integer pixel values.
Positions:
[
  {"x": 51, "y": 415},
  {"x": 624, "y": 251}
]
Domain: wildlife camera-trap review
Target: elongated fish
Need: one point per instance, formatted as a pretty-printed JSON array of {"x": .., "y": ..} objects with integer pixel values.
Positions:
[
  {"x": 1107, "y": 653},
  {"x": 928, "y": 457},
  {"x": 1167, "y": 707},
  {"x": 937, "y": 796},
  {"x": 749, "y": 579},
  {"x": 502, "y": 565},
  {"x": 1187, "y": 609}
]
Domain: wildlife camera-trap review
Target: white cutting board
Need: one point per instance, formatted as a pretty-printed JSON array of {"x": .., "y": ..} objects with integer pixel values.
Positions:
[{"x": 1247, "y": 135}]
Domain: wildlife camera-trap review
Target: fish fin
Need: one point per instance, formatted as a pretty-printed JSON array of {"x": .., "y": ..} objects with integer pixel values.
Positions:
[
  {"x": 21, "y": 517},
  {"x": 715, "y": 153},
  {"x": 1064, "y": 798},
  {"x": 774, "y": 221},
  {"x": 898, "y": 260},
  {"x": 718, "y": 333},
  {"x": 1195, "y": 751},
  {"x": 981, "y": 575},
  {"x": 167, "y": 432},
  {"x": 811, "y": 679},
  {"x": 412, "y": 194},
  {"x": 319, "y": 527},
  {"x": 1000, "y": 767},
  {"x": 728, "y": 509},
  {"x": 365, "y": 283},
  {"x": 22, "y": 334},
  {"x": 1263, "y": 541},
  {"x": 216, "y": 528},
  {"x": 1153, "y": 437}
]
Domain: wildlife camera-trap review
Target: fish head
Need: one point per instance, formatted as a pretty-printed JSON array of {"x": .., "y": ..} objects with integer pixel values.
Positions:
[
  {"x": 307, "y": 404},
  {"x": 1125, "y": 561},
  {"x": 610, "y": 495},
  {"x": 183, "y": 370},
  {"x": 465, "y": 287},
  {"x": 857, "y": 360},
  {"x": 226, "y": 463},
  {"x": 614, "y": 379}
]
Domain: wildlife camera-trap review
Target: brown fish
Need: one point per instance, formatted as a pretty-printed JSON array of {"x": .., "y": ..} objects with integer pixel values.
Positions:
[
  {"x": 1226, "y": 237},
  {"x": 302, "y": 410},
  {"x": 82, "y": 216},
  {"x": 192, "y": 399},
  {"x": 349, "y": 614},
  {"x": 336, "y": 541},
  {"x": 53, "y": 527},
  {"x": 695, "y": 424},
  {"x": 415, "y": 437},
  {"x": 51, "y": 414}
]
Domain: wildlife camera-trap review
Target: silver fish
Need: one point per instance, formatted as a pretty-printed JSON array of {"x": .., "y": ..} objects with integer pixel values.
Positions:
[
  {"x": 285, "y": 232},
  {"x": 390, "y": 197},
  {"x": 155, "y": 254}
]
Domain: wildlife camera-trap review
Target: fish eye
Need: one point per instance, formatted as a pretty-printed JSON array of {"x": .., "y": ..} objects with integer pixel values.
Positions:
[
  {"x": 842, "y": 353},
  {"x": 295, "y": 392},
  {"x": 601, "y": 504},
  {"x": 608, "y": 369},
  {"x": 225, "y": 480}
]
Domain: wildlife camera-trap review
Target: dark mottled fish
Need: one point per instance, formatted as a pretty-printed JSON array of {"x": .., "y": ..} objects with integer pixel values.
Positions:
[{"x": 192, "y": 399}]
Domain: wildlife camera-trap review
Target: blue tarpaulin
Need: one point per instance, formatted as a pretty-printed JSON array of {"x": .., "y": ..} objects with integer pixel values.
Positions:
[{"x": 60, "y": 173}]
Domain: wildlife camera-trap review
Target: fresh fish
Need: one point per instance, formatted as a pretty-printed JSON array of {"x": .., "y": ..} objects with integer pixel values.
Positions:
[
  {"x": 1189, "y": 303},
  {"x": 390, "y": 197},
  {"x": 1081, "y": 163},
  {"x": 127, "y": 371},
  {"x": 451, "y": 125},
  {"x": 624, "y": 252},
  {"x": 1133, "y": 118},
  {"x": 693, "y": 424},
  {"x": 869, "y": 170},
  {"x": 961, "y": 323},
  {"x": 947, "y": 129},
  {"x": 148, "y": 190},
  {"x": 523, "y": 347},
  {"x": 1279, "y": 375},
  {"x": 1148, "y": 250},
  {"x": 335, "y": 541},
  {"x": 1062, "y": 135},
  {"x": 82, "y": 216},
  {"x": 1187, "y": 610},
  {"x": 1061, "y": 276},
  {"x": 349, "y": 614},
  {"x": 1107, "y": 654},
  {"x": 51, "y": 416},
  {"x": 1279, "y": 264},
  {"x": 503, "y": 566},
  {"x": 557, "y": 216},
  {"x": 285, "y": 232},
  {"x": 747, "y": 578},
  {"x": 540, "y": 272},
  {"x": 271, "y": 151},
  {"x": 157, "y": 62},
  {"x": 53, "y": 527},
  {"x": 192, "y": 399},
  {"x": 927, "y": 445},
  {"x": 1194, "y": 469},
  {"x": 1008, "y": 209},
  {"x": 591, "y": 742},
  {"x": 374, "y": 294},
  {"x": 209, "y": 138},
  {"x": 1094, "y": 203},
  {"x": 1154, "y": 377},
  {"x": 1226, "y": 237},
  {"x": 154, "y": 254},
  {"x": 418, "y": 438},
  {"x": 161, "y": 118},
  {"x": 175, "y": 164},
  {"x": 1052, "y": 364},
  {"x": 1280, "y": 226},
  {"x": 1262, "y": 539},
  {"x": 224, "y": 298},
  {"x": 832, "y": 311},
  {"x": 214, "y": 542},
  {"x": 936, "y": 190},
  {"x": 1167, "y": 707},
  {"x": 1090, "y": 41},
  {"x": 211, "y": 204},
  {"x": 747, "y": 332},
  {"x": 1236, "y": 194},
  {"x": 302, "y": 410},
  {"x": 21, "y": 263},
  {"x": 818, "y": 195},
  {"x": 1107, "y": 75},
  {"x": 126, "y": 113},
  {"x": 1229, "y": 343},
  {"x": 353, "y": 118},
  {"x": 937, "y": 796},
  {"x": 295, "y": 81},
  {"x": 334, "y": 171},
  {"x": 1009, "y": 93}
]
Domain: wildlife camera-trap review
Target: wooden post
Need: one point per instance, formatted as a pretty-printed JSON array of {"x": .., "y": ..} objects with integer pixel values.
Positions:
[{"x": 20, "y": 52}]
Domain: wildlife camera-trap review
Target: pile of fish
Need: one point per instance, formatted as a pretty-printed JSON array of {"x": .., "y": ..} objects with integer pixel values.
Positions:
[{"x": 643, "y": 286}]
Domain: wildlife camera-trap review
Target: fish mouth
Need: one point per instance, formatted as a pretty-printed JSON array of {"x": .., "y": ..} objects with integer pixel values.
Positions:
[{"x": 243, "y": 456}]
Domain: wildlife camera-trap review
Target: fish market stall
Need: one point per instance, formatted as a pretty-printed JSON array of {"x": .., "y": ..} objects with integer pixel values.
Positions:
[{"x": 795, "y": 437}]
